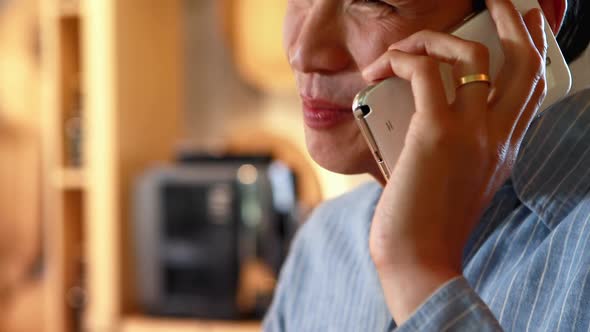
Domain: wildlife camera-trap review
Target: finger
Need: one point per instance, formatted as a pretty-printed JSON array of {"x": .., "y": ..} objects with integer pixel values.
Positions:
[
  {"x": 517, "y": 44},
  {"x": 509, "y": 22},
  {"x": 535, "y": 24},
  {"x": 518, "y": 126},
  {"x": 379, "y": 70},
  {"x": 469, "y": 57},
  {"x": 511, "y": 98},
  {"x": 466, "y": 58},
  {"x": 423, "y": 74},
  {"x": 529, "y": 113},
  {"x": 523, "y": 62}
]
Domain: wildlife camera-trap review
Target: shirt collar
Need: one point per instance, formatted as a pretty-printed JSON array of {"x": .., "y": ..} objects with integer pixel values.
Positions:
[{"x": 552, "y": 173}]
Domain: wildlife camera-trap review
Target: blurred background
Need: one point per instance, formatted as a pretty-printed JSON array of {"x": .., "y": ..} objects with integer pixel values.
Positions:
[{"x": 152, "y": 164}]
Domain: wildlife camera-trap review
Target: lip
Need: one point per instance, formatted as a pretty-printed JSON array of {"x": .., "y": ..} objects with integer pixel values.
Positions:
[{"x": 323, "y": 114}]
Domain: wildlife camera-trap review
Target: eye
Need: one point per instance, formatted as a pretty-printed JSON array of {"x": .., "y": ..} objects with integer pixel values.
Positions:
[{"x": 378, "y": 3}]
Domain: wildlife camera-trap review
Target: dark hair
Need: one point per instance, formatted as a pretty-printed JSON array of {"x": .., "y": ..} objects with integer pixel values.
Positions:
[
  {"x": 477, "y": 5},
  {"x": 574, "y": 36},
  {"x": 575, "y": 32}
]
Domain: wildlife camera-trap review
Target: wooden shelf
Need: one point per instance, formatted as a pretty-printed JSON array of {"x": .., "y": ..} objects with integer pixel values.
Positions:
[
  {"x": 94, "y": 59},
  {"x": 145, "y": 324},
  {"x": 69, "y": 179},
  {"x": 69, "y": 8}
]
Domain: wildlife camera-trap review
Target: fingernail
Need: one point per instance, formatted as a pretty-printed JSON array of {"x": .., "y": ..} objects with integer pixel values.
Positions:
[
  {"x": 540, "y": 14},
  {"x": 369, "y": 75},
  {"x": 366, "y": 73},
  {"x": 540, "y": 18}
]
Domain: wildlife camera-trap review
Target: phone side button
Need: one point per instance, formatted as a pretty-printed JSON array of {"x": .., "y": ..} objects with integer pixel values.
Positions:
[
  {"x": 384, "y": 169},
  {"x": 381, "y": 164},
  {"x": 377, "y": 156}
]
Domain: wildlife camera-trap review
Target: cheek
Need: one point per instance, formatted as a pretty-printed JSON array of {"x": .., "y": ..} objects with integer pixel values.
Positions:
[{"x": 368, "y": 41}]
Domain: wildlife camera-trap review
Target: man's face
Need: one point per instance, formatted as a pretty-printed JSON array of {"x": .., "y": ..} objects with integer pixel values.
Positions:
[{"x": 328, "y": 43}]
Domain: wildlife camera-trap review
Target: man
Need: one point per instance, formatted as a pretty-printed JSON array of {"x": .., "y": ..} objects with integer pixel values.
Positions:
[{"x": 482, "y": 225}]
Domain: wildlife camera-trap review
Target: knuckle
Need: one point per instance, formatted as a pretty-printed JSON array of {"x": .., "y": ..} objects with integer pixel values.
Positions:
[
  {"x": 499, "y": 154},
  {"x": 441, "y": 138},
  {"x": 427, "y": 33},
  {"x": 477, "y": 51},
  {"x": 459, "y": 143},
  {"x": 534, "y": 63},
  {"x": 540, "y": 93},
  {"x": 495, "y": 156},
  {"x": 446, "y": 137},
  {"x": 422, "y": 34},
  {"x": 542, "y": 86},
  {"x": 476, "y": 146},
  {"x": 426, "y": 65},
  {"x": 437, "y": 137}
]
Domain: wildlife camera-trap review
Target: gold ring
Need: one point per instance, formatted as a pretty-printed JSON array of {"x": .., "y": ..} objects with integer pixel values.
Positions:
[{"x": 476, "y": 78}]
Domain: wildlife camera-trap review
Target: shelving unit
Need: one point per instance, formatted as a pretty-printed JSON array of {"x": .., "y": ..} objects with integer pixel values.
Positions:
[
  {"x": 63, "y": 185},
  {"x": 69, "y": 179},
  {"x": 119, "y": 64},
  {"x": 69, "y": 8}
]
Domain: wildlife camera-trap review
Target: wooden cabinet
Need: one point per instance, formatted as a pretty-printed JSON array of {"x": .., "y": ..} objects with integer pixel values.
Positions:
[
  {"x": 63, "y": 184},
  {"x": 120, "y": 63}
]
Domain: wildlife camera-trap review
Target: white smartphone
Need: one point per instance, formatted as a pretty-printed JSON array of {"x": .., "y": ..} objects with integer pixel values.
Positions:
[{"x": 384, "y": 111}]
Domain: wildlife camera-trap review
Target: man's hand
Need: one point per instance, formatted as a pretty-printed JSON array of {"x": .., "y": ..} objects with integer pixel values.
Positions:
[{"x": 455, "y": 156}]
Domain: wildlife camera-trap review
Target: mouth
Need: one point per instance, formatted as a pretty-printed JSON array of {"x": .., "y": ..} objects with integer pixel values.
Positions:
[{"x": 322, "y": 114}]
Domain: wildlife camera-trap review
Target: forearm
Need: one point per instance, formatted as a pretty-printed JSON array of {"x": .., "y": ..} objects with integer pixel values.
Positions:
[
  {"x": 407, "y": 286},
  {"x": 432, "y": 299}
]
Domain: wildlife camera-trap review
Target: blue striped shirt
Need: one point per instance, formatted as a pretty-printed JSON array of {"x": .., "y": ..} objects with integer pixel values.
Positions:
[{"x": 526, "y": 266}]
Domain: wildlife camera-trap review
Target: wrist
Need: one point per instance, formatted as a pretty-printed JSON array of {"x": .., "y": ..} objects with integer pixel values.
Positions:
[
  {"x": 416, "y": 256},
  {"x": 409, "y": 285}
]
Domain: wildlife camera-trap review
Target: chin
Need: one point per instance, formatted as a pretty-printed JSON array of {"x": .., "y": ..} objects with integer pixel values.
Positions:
[{"x": 340, "y": 149}]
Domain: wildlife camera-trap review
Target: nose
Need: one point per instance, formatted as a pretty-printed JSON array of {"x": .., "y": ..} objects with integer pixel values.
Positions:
[{"x": 320, "y": 44}]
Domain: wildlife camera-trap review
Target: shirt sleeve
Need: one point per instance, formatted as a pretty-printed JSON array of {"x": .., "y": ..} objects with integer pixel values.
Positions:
[
  {"x": 275, "y": 319},
  {"x": 455, "y": 306}
]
